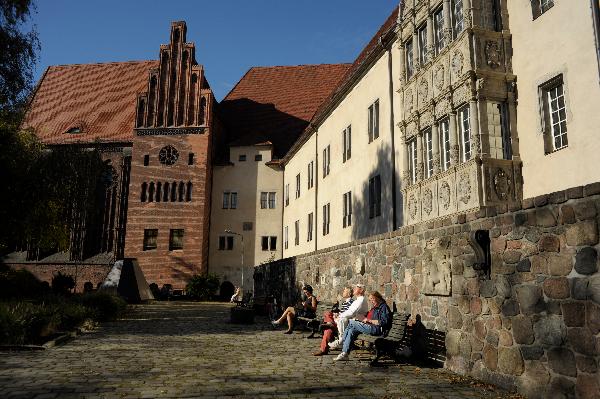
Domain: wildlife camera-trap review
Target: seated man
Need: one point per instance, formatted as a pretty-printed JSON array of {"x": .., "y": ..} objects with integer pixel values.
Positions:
[
  {"x": 358, "y": 310},
  {"x": 378, "y": 320},
  {"x": 329, "y": 327}
]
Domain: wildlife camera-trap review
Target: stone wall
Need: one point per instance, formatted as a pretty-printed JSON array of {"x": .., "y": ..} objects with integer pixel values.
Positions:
[
  {"x": 82, "y": 273},
  {"x": 278, "y": 280},
  {"x": 531, "y": 324}
]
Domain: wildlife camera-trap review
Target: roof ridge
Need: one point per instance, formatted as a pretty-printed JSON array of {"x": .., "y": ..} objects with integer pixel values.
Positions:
[
  {"x": 299, "y": 65},
  {"x": 101, "y": 63}
]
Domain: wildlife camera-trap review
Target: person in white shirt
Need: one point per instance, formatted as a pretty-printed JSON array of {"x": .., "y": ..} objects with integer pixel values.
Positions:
[{"x": 358, "y": 310}]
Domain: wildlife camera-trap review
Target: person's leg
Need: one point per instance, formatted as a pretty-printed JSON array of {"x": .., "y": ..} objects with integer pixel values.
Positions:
[
  {"x": 290, "y": 321},
  {"x": 284, "y": 315},
  {"x": 328, "y": 332},
  {"x": 355, "y": 328}
]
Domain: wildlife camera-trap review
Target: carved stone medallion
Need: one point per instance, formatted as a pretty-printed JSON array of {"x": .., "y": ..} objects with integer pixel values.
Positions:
[
  {"x": 502, "y": 184},
  {"x": 464, "y": 188},
  {"x": 444, "y": 195},
  {"x": 438, "y": 77},
  {"x": 492, "y": 53},
  {"x": 457, "y": 63},
  {"x": 423, "y": 89},
  {"x": 412, "y": 206},
  {"x": 427, "y": 201}
]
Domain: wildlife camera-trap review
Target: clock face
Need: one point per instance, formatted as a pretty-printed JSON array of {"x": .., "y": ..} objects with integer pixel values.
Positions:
[{"x": 168, "y": 155}]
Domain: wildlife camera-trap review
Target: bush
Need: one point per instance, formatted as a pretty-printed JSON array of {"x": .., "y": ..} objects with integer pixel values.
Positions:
[
  {"x": 20, "y": 284},
  {"x": 105, "y": 306},
  {"x": 62, "y": 283},
  {"x": 202, "y": 287},
  {"x": 25, "y": 322}
]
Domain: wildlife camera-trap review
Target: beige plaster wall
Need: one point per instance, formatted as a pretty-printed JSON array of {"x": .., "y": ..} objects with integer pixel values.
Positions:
[
  {"x": 248, "y": 178},
  {"x": 559, "y": 41}
]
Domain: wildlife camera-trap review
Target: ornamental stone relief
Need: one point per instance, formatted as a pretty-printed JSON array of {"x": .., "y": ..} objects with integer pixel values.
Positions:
[
  {"x": 464, "y": 188},
  {"x": 426, "y": 119},
  {"x": 408, "y": 101},
  {"x": 437, "y": 276},
  {"x": 412, "y": 206},
  {"x": 457, "y": 63},
  {"x": 442, "y": 107},
  {"x": 444, "y": 195},
  {"x": 492, "y": 53},
  {"x": 427, "y": 201},
  {"x": 461, "y": 95},
  {"x": 502, "y": 185},
  {"x": 411, "y": 130},
  {"x": 438, "y": 77},
  {"x": 423, "y": 89}
]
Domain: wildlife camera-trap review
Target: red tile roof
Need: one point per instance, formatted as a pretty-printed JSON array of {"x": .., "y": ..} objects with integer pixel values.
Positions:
[
  {"x": 98, "y": 97},
  {"x": 276, "y": 103}
]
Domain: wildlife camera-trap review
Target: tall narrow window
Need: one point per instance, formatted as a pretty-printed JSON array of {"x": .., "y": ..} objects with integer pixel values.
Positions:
[
  {"x": 297, "y": 232},
  {"x": 422, "y": 35},
  {"x": 181, "y": 191},
  {"x": 173, "y": 191},
  {"x": 326, "y": 160},
  {"x": 457, "y": 18},
  {"x": 264, "y": 243},
  {"x": 166, "y": 192},
  {"x": 464, "y": 127},
  {"x": 191, "y": 158},
  {"x": 272, "y": 243},
  {"x": 298, "y": 185},
  {"x": 188, "y": 192},
  {"x": 143, "y": 192},
  {"x": 151, "y": 192},
  {"x": 263, "y": 200},
  {"x": 225, "y": 243},
  {"x": 554, "y": 114},
  {"x": 412, "y": 160},
  {"x": 310, "y": 174},
  {"x": 347, "y": 143},
  {"x": 444, "y": 130},
  {"x": 158, "y": 191},
  {"x": 373, "y": 127},
  {"x": 234, "y": 200},
  {"x": 438, "y": 30},
  {"x": 410, "y": 61},
  {"x": 285, "y": 237},
  {"x": 428, "y": 138},
  {"x": 287, "y": 194},
  {"x": 347, "y": 220},
  {"x": 271, "y": 200},
  {"x": 229, "y": 245},
  {"x": 374, "y": 196},
  {"x": 146, "y": 160},
  {"x": 309, "y": 227},
  {"x": 326, "y": 217},
  {"x": 176, "y": 239},
  {"x": 226, "y": 200},
  {"x": 150, "y": 239}
]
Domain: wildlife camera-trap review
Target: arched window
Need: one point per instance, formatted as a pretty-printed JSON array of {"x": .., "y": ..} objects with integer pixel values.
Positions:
[
  {"x": 164, "y": 69},
  {"x": 166, "y": 192},
  {"x": 143, "y": 193},
  {"x": 151, "y": 101},
  {"x": 158, "y": 191},
  {"x": 192, "y": 101},
  {"x": 151, "y": 192},
  {"x": 181, "y": 190},
  {"x": 174, "y": 191},
  {"x": 202, "y": 112},
  {"x": 188, "y": 192}
]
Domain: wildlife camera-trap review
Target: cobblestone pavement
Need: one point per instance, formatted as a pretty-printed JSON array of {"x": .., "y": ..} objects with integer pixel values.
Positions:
[{"x": 183, "y": 349}]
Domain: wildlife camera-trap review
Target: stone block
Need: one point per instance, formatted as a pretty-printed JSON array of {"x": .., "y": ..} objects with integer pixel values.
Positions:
[
  {"x": 533, "y": 234},
  {"x": 557, "y": 197},
  {"x": 574, "y": 192},
  {"x": 550, "y": 331},
  {"x": 503, "y": 287},
  {"x": 592, "y": 315},
  {"x": 593, "y": 290},
  {"x": 510, "y": 361},
  {"x": 498, "y": 245},
  {"x": 529, "y": 297},
  {"x": 561, "y": 388},
  {"x": 586, "y": 261},
  {"x": 539, "y": 264},
  {"x": 559, "y": 265},
  {"x": 454, "y": 318},
  {"x": 524, "y": 265},
  {"x": 533, "y": 352},
  {"x": 453, "y": 339},
  {"x": 587, "y": 387},
  {"x": 545, "y": 217},
  {"x": 520, "y": 218},
  {"x": 583, "y": 233},
  {"x": 510, "y": 307},
  {"x": 556, "y": 287},
  {"x": 574, "y": 313},
  {"x": 512, "y": 257},
  {"x": 505, "y": 338},
  {"x": 582, "y": 341},
  {"x": 522, "y": 329},
  {"x": 562, "y": 361},
  {"x": 585, "y": 210},
  {"x": 487, "y": 289},
  {"x": 540, "y": 200},
  {"x": 567, "y": 214},
  {"x": 579, "y": 288},
  {"x": 586, "y": 364},
  {"x": 475, "y": 306},
  {"x": 490, "y": 357},
  {"x": 492, "y": 338},
  {"x": 591, "y": 189},
  {"x": 527, "y": 203},
  {"x": 479, "y": 328},
  {"x": 549, "y": 243}
]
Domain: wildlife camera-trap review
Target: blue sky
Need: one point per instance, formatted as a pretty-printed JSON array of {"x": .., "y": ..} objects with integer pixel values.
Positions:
[{"x": 230, "y": 35}]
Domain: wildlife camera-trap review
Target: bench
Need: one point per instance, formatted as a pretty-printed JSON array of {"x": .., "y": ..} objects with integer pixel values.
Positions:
[
  {"x": 435, "y": 348},
  {"x": 314, "y": 323},
  {"x": 389, "y": 343}
]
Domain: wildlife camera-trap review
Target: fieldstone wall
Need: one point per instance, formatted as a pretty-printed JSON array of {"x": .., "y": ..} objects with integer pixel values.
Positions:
[
  {"x": 531, "y": 324},
  {"x": 82, "y": 273}
]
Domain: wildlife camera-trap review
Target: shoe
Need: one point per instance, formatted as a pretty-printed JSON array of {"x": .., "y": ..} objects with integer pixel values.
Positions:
[
  {"x": 319, "y": 353},
  {"x": 274, "y": 323},
  {"x": 334, "y": 344},
  {"x": 288, "y": 332},
  {"x": 341, "y": 357}
]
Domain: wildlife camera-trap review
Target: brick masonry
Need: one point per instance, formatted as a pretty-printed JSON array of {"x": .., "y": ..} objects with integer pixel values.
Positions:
[
  {"x": 532, "y": 326},
  {"x": 82, "y": 273}
]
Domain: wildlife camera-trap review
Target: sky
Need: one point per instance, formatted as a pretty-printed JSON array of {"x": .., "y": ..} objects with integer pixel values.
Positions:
[{"x": 230, "y": 35}]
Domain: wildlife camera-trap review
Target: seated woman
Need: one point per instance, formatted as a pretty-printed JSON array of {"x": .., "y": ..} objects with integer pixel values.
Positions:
[
  {"x": 378, "y": 320},
  {"x": 329, "y": 326},
  {"x": 306, "y": 309}
]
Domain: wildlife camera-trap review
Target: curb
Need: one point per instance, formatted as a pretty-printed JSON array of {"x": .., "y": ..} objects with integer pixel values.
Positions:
[{"x": 60, "y": 340}]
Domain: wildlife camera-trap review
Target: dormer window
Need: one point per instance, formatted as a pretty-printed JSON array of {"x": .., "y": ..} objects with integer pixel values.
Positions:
[{"x": 74, "y": 130}]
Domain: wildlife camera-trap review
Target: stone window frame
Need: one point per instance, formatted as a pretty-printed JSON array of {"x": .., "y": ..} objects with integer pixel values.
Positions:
[
  {"x": 545, "y": 91},
  {"x": 444, "y": 133},
  {"x": 150, "y": 239},
  {"x": 347, "y": 143},
  {"x": 373, "y": 121},
  {"x": 463, "y": 115},
  {"x": 347, "y": 210},
  {"x": 438, "y": 30},
  {"x": 409, "y": 58},
  {"x": 412, "y": 160},
  {"x": 422, "y": 43},
  {"x": 457, "y": 18},
  {"x": 428, "y": 151}
]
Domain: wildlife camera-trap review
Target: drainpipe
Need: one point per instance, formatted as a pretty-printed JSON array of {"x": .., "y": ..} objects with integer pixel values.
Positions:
[
  {"x": 391, "y": 94},
  {"x": 316, "y": 177}
]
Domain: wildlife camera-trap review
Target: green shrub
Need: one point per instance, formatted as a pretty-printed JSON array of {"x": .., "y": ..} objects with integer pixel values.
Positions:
[
  {"x": 25, "y": 322},
  {"x": 72, "y": 315},
  {"x": 203, "y": 287},
  {"x": 62, "y": 283},
  {"x": 104, "y": 305},
  {"x": 19, "y": 284}
]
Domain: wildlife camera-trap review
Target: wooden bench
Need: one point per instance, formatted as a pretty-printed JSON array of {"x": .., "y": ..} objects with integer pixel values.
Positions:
[
  {"x": 389, "y": 343},
  {"x": 314, "y": 323},
  {"x": 435, "y": 348}
]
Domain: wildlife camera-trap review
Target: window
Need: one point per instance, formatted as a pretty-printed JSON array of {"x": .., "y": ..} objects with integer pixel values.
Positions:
[
  {"x": 326, "y": 219},
  {"x": 143, "y": 192},
  {"x": 491, "y": 15},
  {"x": 285, "y": 237},
  {"x": 176, "y": 239},
  {"x": 258, "y": 157},
  {"x": 310, "y": 227},
  {"x": 464, "y": 127},
  {"x": 554, "y": 114},
  {"x": 269, "y": 243},
  {"x": 347, "y": 209},
  {"x": 225, "y": 243},
  {"x": 191, "y": 158},
  {"x": 444, "y": 130},
  {"x": 298, "y": 185},
  {"x": 229, "y": 200},
  {"x": 151, "y": 192},
  {"x": 428, "y": 138},
  {"x": 374, "y": 121},
  {"x": 267, "y": 200},
  {"x": 374, "y": 197},
  {"x": 310, "y": 174},
  {"x": 150, "y": 238},
  {"x": 538, "y": 7},
  {"x": 347, "y": 143},
  {"x": 457, "y": 18},
  {"x": 168, "y": 155},
  {"x": 297, "y": 232},
  {"x": 242, "y": 158},
  {"x": 438, "y": 31},
  {"x": 326, "y": 160},
  {"x": 146, "y": 160},
  {"x": 188, "y": 192},
  {"x": 287, "y": 194},
  {"x": 271, "y": 200},
  {"x": 412, "y": 160},
  {"x": 247, "y": 226},
  {"x": 410, "y": 61},
  {"x": 422, "y": 35}
]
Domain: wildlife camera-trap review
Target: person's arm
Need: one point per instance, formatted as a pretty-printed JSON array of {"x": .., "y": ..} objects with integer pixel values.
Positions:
[
  {"x": 353, "y": 308},
  {"x": 384, "y": 316}
]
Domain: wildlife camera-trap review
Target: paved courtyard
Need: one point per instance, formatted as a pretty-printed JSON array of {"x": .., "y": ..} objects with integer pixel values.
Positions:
[{"x": 184, "y": 349}]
